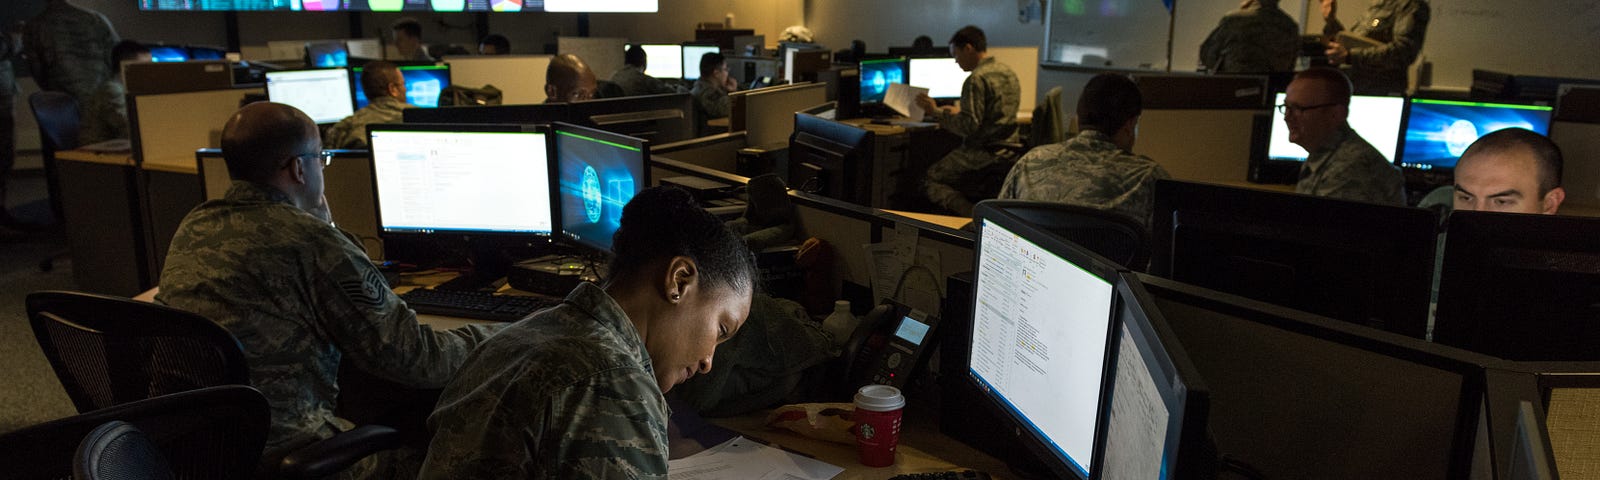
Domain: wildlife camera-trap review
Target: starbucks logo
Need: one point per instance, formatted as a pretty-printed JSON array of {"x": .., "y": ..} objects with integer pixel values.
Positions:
[{"x": 866, "y": 432}]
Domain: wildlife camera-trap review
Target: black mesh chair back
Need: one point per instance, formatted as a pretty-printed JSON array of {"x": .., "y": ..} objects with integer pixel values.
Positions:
[
  {"x": 118, "y": 450},
  {"x": 112, "y": 350},
  {"x": 1110, "y": 235},
  {"x": 57, "y": 114},
  {"x": 210, "y": 433}
]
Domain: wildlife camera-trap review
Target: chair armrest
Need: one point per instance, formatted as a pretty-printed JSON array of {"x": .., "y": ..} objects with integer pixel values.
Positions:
[{"x": 334, "y": 454}]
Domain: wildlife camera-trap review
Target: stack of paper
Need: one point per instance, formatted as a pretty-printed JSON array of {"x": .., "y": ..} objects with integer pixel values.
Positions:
[
  {"x": 745, "y": 459},
  {"x": 903, "y": 99}
]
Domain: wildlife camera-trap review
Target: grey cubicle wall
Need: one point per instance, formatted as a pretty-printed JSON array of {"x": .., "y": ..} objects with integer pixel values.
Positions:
[
  {"x": 347, "y": 184},
  {"x": 718, "y": 152}
]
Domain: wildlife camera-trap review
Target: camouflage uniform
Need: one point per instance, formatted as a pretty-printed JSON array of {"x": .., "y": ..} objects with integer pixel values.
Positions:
[
  {"x": 1089, "y": 171},
  {"x": 635, "y": 82},
  {"x": 1348, "y": 168},
  {"x": 1401, "y": 25},
  {"x": 711, "y": 98},
  {"x": 69, "y": 49},
  {"x": 301, "y": 298},
  {"x": 1257, "y": 40},
  {"x": 351, "y": 132},
  {"x": 569, "y": 393},
  {"x": 989, "y": 101},
  {"x": 105, "y": 114}
]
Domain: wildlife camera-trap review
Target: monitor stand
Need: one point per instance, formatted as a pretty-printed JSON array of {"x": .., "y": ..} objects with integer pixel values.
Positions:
[{"x": 487, "y": 266}]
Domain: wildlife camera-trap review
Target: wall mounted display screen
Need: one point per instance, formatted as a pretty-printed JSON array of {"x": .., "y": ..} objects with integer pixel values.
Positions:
[{"x": 403, "y": 5}]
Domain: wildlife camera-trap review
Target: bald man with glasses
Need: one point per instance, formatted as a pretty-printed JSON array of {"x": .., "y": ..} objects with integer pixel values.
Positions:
[{"x": 1341, "y": 164}]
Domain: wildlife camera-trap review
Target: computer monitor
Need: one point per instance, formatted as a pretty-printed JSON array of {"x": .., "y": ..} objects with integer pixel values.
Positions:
[
  {"x": 598, "y": 172},
  {"x": 1438, "y": 131},
  {"x": 1159, "y": 404},
  {"x": 915, "y": 52},
  {"x": 1294, "y": 395},
  {"x": 876, "y": 75},
  {"x": 804, "y": 65},
  {"x": 941, "y": 76},
  {"x": 691, "y": 59},
  {"x": 168, "y": 53},
  {"x": 1376, "y": 119},
  {"x": 324, "y": 94},
  {"x": 490, "y": 114},
  {"x": 1359, "y": 262},
  {"x": 327, "y": 54},
  {"x": 207, "y": 53},
  {"x": 1520, "y": 287},
  {"x": 664, "y": 118},
  {"x": 423, "y": 84},
  {"x": 1042, "y": 339},
  {"x": 831, "y": 159},
  {"x": 664, "y": 60}
]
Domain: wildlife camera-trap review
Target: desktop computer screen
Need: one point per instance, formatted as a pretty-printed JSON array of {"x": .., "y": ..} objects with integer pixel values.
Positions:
[
  {"x": 665, "y": 60},
  {"x": 1376, "y": 119},
  {"x": 168, "y": 53},
  {"x": 876, "y": 75},
  {"x": 598, "y": 172},
  {"x": 207, "y": 53},
  {"x": 323, "y": 94},
  {"x": 423, "y": 84},
  {"x": 1438, "y": 131},
  {"x": 491, "y": 179},
  {"x": 327, "y": 54},
  {"x": 691, "y": 59},
  {"x": 1041, "y": 334},
  {"x": 1159, "y": 405},
  {"x": 941, "y": 76}
]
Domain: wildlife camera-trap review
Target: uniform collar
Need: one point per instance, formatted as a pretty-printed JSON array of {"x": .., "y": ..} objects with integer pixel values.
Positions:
[
  {"x": 590, "y": 298},
  {"x": 252, "y": 192}
]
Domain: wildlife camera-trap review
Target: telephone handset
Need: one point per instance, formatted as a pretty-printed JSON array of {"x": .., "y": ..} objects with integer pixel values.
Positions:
[{"x": 888, "y": 346}]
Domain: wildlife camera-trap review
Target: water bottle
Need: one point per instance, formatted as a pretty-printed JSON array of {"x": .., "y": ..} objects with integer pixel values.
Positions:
[{"x": 840, "y": 323}]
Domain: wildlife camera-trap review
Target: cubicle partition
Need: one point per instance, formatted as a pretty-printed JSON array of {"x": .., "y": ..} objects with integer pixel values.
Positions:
[
  {"x": 1572, "y": 405},
  {"x": 520, "y": 78},
  {"x": 1198, "y": 127},
  {"x": 167, "y": 128},
  {"x": 717, "y": 152},
  {"x": 347, "y": 183}
]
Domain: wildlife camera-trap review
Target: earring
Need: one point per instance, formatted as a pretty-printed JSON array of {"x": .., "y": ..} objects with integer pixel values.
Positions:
[{"x": 676, "y": 296}]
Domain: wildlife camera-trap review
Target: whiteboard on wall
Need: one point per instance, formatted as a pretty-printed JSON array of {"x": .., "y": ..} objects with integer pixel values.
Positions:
[
  {"x": 520, "y": 78},
  {"x": 603, "y": 54},
  {"x": 1134, "y": 33},
  {"x": 1556, "y": 38}
]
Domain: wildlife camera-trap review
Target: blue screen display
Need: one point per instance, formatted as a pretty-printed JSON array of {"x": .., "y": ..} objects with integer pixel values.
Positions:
[
  {"x": 876, "y": 75},
  {"x": 597, "y": 177},
  {"x": 1438, "y": 131},
  {"x": 423, "y": 84},
  {"x": 168, "y": 53}
]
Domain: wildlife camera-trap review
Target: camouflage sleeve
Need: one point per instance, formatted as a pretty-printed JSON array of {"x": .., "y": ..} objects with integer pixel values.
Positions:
[
  {"x": 1352, "y": 179},
  {"x": 975, "y": 97},
  {"x": 1015, "y": 179},
  {"x": 338, "y": 133},
  {"x": 611, "y": 426},
  {"x": 375, "y": 329},
  {"x": 1410, "y": 28},
  {"x": 715, "y": 102}
]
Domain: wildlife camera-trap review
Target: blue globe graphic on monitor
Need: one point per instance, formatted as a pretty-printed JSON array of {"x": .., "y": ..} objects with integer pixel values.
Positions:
[{"x": 592, "y": 202}]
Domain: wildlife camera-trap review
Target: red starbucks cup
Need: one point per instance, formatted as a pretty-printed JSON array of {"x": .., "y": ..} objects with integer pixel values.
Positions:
[{"x": 877, "y": 428}]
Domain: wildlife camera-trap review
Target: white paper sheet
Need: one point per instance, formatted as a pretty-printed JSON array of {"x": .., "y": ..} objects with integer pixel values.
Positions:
[
  {"x": 745, "y": 459},
  {"x": 903, "y": 99}
]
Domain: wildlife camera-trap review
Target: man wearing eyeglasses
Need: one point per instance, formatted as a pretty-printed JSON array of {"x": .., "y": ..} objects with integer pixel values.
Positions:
[
  {"x": 265, "y": 263},
  {"x": 1342, "y": 164},
  {"x": 385, "y": 87},
  {"x": 569, "y": 79}
]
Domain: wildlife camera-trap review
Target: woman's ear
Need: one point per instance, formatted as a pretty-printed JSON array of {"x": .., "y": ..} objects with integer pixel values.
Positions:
[{"x": 682, "y": 277}]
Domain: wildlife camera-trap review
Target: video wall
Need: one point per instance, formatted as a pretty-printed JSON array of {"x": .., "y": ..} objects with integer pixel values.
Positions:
[{"x": 403, "y": 5}]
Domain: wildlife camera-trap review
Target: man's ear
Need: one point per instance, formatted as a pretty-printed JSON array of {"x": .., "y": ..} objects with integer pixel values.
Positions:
[
  {"x": 1552, "y": 200},
  {"x": 297, "y": 169},
  {"x": 550, "y": 92}
]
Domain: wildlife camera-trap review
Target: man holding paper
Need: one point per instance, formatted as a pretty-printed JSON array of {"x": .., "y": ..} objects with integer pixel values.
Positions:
[
  {"x": 1378, "y": 50},
  {"x": 987, "y": 114}
]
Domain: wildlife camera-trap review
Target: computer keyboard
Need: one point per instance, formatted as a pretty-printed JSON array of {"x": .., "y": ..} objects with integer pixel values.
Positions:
[
  {"x": 475, "y": 305},
  {"x": 950, "y": 475}
]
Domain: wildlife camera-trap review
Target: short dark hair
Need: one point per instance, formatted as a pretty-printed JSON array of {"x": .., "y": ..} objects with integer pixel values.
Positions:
[
  {"x": 1337, "y": 82},
  {"x": 124, "y": 51},
  {"x": 922, "y": 41},
  {"x": 665, "y": 221},
  {"x": 970, "y": 35},
  {"x": 376, "y": 76},
  {"x": 1545, "y": 152},
  {"x": 634, "y": 56},
  {"x": 502, "y": 45},
  {"x": 259, "y": 136},
  {"x": 409, "y": 25},
  {"x": 709, "y": 63},
  {"x": 1108, "y": 102}
]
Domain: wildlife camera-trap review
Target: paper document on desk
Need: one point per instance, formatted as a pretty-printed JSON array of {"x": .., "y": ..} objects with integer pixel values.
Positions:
[
  {"x": 745, "y": 459},
  {"x": 903, "y": 99}
]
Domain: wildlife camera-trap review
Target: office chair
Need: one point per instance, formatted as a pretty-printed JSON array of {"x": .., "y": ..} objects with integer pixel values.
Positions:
[
  {"x": 57, "y": 116},
  {"x": 118, "y": 450},
  {"x": 1047, "y": 127},
  {"x": 110, "y": 350},
  {"x": 608, "y": 89},
  {"x": 1108, "y": 234},
  {"x": 215, "y": 432}
]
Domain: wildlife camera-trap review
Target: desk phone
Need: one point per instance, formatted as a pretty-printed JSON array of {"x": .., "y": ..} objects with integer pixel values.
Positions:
[{"x": 887, "y": 347}]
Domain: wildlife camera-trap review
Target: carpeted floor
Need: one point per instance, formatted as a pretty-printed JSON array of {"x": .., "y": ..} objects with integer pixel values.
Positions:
[{"x": 29, "y": 392}]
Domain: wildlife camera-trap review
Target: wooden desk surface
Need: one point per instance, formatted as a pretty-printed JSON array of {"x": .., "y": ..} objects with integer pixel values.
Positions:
[
  {"x": 947, "y": 221},
  {"x": 922, "y": 448},
  {"x": 104, "y": 158}
]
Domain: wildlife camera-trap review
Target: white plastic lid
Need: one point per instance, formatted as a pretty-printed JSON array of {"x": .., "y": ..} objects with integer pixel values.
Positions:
[
  {"x": 841, "y": 305},
  {"x": 879, "y": 398}
]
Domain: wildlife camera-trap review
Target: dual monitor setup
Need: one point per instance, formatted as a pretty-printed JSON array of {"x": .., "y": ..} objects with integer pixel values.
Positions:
[
  {"x": 667, "y": 60},
  {"x": 940, "y": 75},
  {"x": 331, "y": 94},
  {"x": 521, "y": 183}
]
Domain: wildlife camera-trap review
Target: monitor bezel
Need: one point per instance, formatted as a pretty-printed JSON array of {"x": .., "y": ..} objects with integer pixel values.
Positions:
[
  {"x": 905, "y": 65},
  {"x": 550, "y": 172},
  {"x": 1195, "y": 398},
  {"x": 556, "y": 129},
  {"x": 267, "y": 85},
  {"x": 355, "y": 79},
  {"x": 1093, "y": 264}
]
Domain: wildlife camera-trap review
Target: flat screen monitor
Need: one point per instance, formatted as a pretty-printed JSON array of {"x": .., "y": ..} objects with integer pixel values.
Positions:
[
  {"x": 1159, "y": 404},
  {"x": 327, "y": 54},
  {"x": 324, "y": 94},
  {"x": 168, "y": 53},
  {"x": 207, "y": 53},
  {"x": 1041, "y": 343},
  {"x": 691, "y": 59},
  {"x": 1520, "y": 287},
  {"x": 464, "y": 179},
  {"x": 1359, "y": 262},
  {"x": 423, "y": 84},
  {"x": 830, "y": 158},
  {"x": 1295, "y": 395},
  {"x": 877, "y": 75},
  {"x": 661, "y": 119},
  {"x": 541, "y": 113},
  {"x": 598, "y": 172},
  {"x": 1376, "y": 119},
  {"x": 1438, "y": 131},
  {"x": 664, "y": 60},
  {"x": 573, "y": 6},
  {"x": 941, "y": 76}
]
